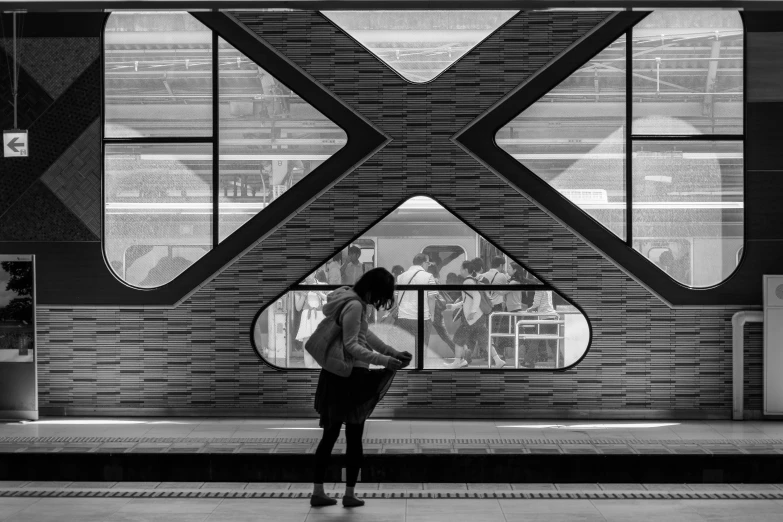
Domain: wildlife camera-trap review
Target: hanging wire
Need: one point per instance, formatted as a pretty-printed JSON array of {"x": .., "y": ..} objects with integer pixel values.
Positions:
[
  {"x": 17, "y": 53},
  {"x": 6, "y": 51},
  {"x": 16, "y": 49}
]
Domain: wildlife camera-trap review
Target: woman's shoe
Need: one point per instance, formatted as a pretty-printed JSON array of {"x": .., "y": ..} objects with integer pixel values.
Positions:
[
  {"x": 500, "y": 364},
  {"x": 322, "y": 500},
  {"x": 349, "y": 501}
]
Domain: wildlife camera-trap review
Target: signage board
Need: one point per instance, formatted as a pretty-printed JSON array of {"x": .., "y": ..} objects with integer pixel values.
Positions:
[
  {"x": 18, "y": 379},
  {"x": 15, "y": 144}
]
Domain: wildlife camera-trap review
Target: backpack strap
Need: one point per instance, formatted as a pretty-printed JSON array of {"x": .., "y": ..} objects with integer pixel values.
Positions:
[{"x": 411, "y": 280}]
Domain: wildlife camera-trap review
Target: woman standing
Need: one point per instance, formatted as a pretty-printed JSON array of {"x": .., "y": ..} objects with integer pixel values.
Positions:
[
  {"x": 350, "y": 400},
  {"x": 473, "y": 329}
]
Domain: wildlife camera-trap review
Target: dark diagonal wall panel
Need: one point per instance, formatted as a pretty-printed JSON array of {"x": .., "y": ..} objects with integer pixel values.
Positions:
[
  {"x": 54, "y": 63},
  {"x": 52, "y": 134},
  {"x": 40, "y": 216},
  {"x": 32, "y": 101},
  {"x": 75, "y": 178}
]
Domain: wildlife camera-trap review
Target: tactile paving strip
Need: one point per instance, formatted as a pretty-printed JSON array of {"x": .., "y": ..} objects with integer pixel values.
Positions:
[{"x": 521, "y": 495}]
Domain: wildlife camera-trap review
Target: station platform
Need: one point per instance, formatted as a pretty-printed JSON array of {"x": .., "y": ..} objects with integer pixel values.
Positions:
[{"x": 192, "y": 450}]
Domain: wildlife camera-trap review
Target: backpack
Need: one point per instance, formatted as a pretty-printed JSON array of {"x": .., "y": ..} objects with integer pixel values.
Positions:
[
  {"x": 485, "y": 305},
  {"x": 326, "y": 345}
]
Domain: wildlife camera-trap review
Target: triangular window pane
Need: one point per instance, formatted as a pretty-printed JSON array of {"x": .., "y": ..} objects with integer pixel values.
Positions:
[
  {"x": 419, "y": 225},
  {"x": 419, "y": 45},
  {"x": 574, "y": 137},
  {"x": 550, "y": 331},
  {"x": 270, "y": 138}
]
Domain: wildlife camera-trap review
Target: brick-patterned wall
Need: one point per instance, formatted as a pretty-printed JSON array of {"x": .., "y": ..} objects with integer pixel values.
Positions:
[{"x": 645, "y": 357}]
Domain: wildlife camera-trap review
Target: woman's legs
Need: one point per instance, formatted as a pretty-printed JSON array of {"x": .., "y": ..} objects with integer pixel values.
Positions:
[
  {"x": 322, "y": 454},
  {"x": 354, "y": 455}
]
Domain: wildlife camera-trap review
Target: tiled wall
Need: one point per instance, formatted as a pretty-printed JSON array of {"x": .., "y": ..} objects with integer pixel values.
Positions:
[{"x": 645, "y": 358}]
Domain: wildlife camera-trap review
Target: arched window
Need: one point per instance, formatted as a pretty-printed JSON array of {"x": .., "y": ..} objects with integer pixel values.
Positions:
[
  {"x": 656, "y": 156},
  {"x": 526, "y": 323},
  {"x": 197, "y": 140}
]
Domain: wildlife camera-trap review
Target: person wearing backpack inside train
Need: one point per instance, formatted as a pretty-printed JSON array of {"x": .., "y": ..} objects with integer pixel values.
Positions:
[{"x": 472, "y": 331}]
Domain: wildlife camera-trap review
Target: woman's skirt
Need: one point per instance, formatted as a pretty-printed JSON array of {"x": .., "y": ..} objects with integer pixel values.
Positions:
[{"x": 350, "y": 400}]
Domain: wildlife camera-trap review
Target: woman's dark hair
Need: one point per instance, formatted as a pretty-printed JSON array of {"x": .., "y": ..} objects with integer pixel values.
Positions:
[
  {"x": 470, "y": 266},
  {"x": 376, "y": 287},
  {"x": 517, "y": 277},
  {"x": 433, "y": 269},
  {"x": 397, "y": 270}
]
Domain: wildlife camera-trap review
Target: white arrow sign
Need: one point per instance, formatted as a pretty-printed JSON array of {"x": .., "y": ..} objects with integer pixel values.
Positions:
[{"x": 15, "y": 144}]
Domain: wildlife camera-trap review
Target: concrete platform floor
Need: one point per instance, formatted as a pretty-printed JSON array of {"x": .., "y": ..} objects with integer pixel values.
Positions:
[
  {"x": 212, "y": 428},
  {"x": 192, "y": 435}
]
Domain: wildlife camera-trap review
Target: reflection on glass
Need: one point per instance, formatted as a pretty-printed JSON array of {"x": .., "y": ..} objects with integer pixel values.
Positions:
[
  {"x": 688, "y": 208},
  {"x": 422, "y": 243},
  {"x": 419, "y": 45},
  {"x": 157, "y": 75},
  {"x": 281, "y": 330},
  {"x": 574, "y": 137},
  {"x": 17, "y": 332},
  {"x": 688, "y": 67},
  {"x": 158, "y": 210},
  {"x": 269, "y": 138}
]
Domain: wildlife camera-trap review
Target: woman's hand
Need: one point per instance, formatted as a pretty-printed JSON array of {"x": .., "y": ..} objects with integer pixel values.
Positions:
[
  {"x": 405, "y": 358},
  {"x": 394, "y": 364}
]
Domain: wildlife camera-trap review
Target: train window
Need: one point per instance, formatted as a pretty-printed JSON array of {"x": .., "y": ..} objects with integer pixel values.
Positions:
[
  {"x": 685, "y": 157},
  {"x": 530, "y": 326},
  {"x": 446, "y": 258},
  {"x": 419, "y": 45},
  {"x": 160, "y": 173}
]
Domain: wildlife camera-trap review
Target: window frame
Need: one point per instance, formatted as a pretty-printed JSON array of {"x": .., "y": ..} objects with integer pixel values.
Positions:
[
  {"x": 471, "y": 139},
  {"x": 213, "y": 139},
  {"x": 631, "y": 138},
  {"x": 301, "y": 286}
]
